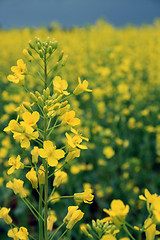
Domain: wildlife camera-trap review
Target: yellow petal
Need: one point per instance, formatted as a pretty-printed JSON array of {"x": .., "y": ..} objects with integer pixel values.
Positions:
[
  {"x": 52, "y": 161},
  {"x": 59, "y": 153},
  {"x": 42, "y": 153},
  {"x": 48, "y": 145}
]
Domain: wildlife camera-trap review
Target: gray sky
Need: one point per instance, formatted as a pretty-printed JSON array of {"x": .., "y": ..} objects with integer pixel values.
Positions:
[{"x": 22, "y": 13}]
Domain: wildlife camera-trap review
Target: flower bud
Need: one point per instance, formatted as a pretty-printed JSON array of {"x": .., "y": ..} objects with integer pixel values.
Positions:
[
  {"x": 55, "y": 67},
  {"x": 27, "y": 106},
  {"x": 29, "y": 51},
  {"x": 25, "y": 52},
  {"x": 37, "y": 94},
  {"x": 31, "y": 45},
  {"x": 40, "y": 53},
  {"x": 64, "y": 60},
  {"x": 39, "y": 45},
  {"x": 33, "y": 97},
  {"x": 88, "y": 227},
  {"x": 60, "y": 56},
  {"x": 45, "y": 109},
  {"x": 54, "y": 45},
  {"x": 59, "y": 98},
  {"x": 63, "y": 104},
  {"x": 40, "y": 100},
  {"x": 50, "y": 50},
  {"x": 46, "y": 92}
]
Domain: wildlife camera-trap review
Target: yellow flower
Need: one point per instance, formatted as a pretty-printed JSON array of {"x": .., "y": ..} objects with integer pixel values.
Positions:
[
  {"x": 26, "y": 136},
  {"x": 4, "y": 214},
  {"x": 31, "y": 118},
  {"x": 72, "y": 155},
  {"x": 41, "y": 175},
  {"x": 25, "y": 52},
  {"x": 54, "y": 198},
  {"x": 81, "y": 87},
  {"x": 22, "y": 132},
  {"x": 15, "y": 163},
  {"x": 73, "y": 216},
  {"x": 17, "y": 187},
  {"x": 86, "y": 196},
  {"x": 150, "y": 229},
  {"x": 19, "y": 71},
  {"x": 76, "y": 139},
  {"x": 108, "y": 152},
  {"x": 69, "y": 118},
  {"x": 118, "y": 212},
  {"x": 16, "y": 78},
  {"x": 22, "y": 234},
  {"x": 20, "y": 68},
  {"x": 60, "y": 85},
  {"x": 35, "y": 154},
  {"x": 108, "y": 237},
  {"x": 13, "y": 126},
  {"x": 32, "y": 177},
  {"x": 155, "y": 207},
  {"x": 60, "y": 178},
  {"x": 51, "y": 220},
  {"x": 149, "y": 198},
  {"x": 51, "y": 154},
  {"x": 12, "y": 233}
]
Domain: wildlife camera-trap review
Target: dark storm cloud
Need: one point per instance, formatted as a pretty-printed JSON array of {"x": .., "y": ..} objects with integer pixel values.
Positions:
[{"x": 20, "y": 13}]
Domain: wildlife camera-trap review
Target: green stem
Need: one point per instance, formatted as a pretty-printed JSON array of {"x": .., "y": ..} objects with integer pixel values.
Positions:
[
  {"x": 54, "y": 76},
  {"x": 57, "y": 170},
  {"x": 53, "y": 127},
  {"x": 40, "y": 211},
  {"x": 37, "y": 72},
  {"x": 30, "y": 209},
  {"x": 131, "y": 226},
  {"x": 52, "y": 192},
  {"x": 52, "y": 235},
  {"x": 63, "y": 234},
  {"x": 40, "y": 195},
  {"x": 34, "y": 209},
  {"x": 128, "y": 232},
  {"x": 37, "y": 62},
  {"x": 60, "y": 198},
  {"x": 46, "y": 163},
  {"x": 140, "y": 236}
]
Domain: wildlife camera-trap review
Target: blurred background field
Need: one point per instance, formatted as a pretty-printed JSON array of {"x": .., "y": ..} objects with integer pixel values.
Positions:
[{"x": 121, "y": 117}]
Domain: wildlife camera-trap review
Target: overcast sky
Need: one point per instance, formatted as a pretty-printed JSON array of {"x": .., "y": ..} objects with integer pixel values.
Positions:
[{"x": 23, "y": 13}]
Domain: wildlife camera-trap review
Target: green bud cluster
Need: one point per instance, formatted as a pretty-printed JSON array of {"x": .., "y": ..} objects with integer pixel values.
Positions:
[
  {"x": 99, "y": 229},
  {"x": 51, "y": 105},
  {"x": 43, "y": 48}
]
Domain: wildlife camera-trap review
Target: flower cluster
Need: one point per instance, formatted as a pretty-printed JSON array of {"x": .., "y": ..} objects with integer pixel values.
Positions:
[{"x": 38, "y": 120}]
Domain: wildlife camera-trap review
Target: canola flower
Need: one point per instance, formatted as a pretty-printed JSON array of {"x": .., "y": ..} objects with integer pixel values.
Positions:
[
  {"x": 73, "y": 216},
  {"x": 15, "y": 163},
  {"x": 117, "y": 212},
  {"x": 36, "y": 121}
]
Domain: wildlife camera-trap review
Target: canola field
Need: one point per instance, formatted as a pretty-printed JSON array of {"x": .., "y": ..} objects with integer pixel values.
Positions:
[{"x": 120, "y": 117}]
